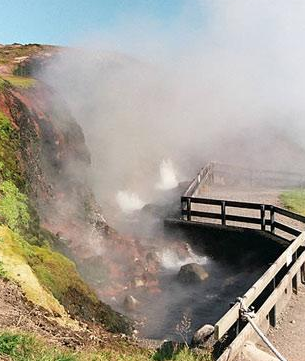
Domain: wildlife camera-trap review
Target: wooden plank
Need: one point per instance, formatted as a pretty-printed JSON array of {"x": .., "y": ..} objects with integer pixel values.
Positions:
[
  {"x": 247, "y": 333},
  {"x": 229, "y": 217},
  {"x": 243, "y": 219},
  {"x": 229, "y": 203},
  {"x": 251, "y": 295},
  {"x": 263, "y": 218},
  {"x": 215, "y": 202},
  {"x": 287, "y": 229},
  {"x": 203, "y": 214},
  {"x": 289, "y": 214},
  {"x": 191, "y": 188}
]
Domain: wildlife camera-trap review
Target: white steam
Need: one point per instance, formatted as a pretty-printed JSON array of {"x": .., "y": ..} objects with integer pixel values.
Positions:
[
  {"x": 168, "y": 179},
  {"x": 128, "y": 201},
  {"x": 172, "y": 261},
  {"x": 232, "y": 92}
]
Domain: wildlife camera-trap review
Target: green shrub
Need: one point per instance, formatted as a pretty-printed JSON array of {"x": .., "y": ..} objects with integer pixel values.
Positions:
[{"x": 13, "y": 207}]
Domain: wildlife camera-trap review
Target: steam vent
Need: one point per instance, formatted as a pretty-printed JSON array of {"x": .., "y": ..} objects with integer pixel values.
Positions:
[{"x": 152, "y": 180}]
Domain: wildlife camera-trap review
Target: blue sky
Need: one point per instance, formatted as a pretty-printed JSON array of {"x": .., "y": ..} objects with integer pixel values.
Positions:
[{"x": 63, "y": 22}]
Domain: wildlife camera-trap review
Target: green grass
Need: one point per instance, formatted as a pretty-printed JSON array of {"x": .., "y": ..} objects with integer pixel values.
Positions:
[
  {"x": 20, "y": 81},
  {"x": 294, "y": 200},
  {"x": 9, "y": 148},
  {"x": 24, "y": 347},
  {"x": 2, "y": 84},
  {"x": 27, "y": 347}
]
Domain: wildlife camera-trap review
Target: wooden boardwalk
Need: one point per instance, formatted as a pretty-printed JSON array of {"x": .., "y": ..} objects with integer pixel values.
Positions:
[
  {"x": 243, "y": 198},
  {"x": 245, "y": 193}
]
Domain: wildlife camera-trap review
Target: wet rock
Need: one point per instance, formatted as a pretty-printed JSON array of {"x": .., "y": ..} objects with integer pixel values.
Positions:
[
  {"x": 131, "y": 303},
  {"x": 192, "y": 272},
  {"x": 203, "y": 336}
]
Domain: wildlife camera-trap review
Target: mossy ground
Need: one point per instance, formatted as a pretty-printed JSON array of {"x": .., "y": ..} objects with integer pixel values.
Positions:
[
  {"x": 294, "y": 200},
  {"x": 48, "y": 278},
  {"x": 51, "y": 280},
  {"x": 9, "y": 148},
  {"x": 26, "y": 347},
  {"x": 19, "y": 81}
]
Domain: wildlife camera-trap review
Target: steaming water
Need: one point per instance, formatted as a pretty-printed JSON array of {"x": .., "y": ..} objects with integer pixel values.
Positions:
[
  {"x": 201, "y": 302},
  {"x": 129, "y": 201},
  {"x": 168, "y": 179},
  {"x": 171, "y": 261}
]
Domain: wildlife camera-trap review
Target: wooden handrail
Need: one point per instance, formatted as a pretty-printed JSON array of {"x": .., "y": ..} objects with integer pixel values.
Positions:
[
  {"x": 294, "y": 253},
  {"x": 278, "y": 293},
  {"x": 224, "y": 217},
  {"x": 225, "y": 323}
]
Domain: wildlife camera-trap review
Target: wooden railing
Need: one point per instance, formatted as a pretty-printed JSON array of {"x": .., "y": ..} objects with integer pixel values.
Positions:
[
  {"x": 262, "y": 177},
  {"x": 234, "y": 173},
  {"x": 267, "y": 219},
  {"x": 270, "y": 294},
  {"x": 204, "y": 176},
  {"x": 277, "y": 285}
]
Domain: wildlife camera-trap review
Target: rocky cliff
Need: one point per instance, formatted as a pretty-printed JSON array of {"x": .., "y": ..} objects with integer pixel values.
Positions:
[{"x": 44, "y": 162}]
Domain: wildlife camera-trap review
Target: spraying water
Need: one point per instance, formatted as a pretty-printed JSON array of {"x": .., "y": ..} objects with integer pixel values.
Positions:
[
  {"x": 168, "y": 179},
  {"x": 170, "y": 260},
  {"x": 129, "y": 201}
]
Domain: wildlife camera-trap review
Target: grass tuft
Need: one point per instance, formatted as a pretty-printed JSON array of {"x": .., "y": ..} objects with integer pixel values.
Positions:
[{"x": 294, "y": 200}]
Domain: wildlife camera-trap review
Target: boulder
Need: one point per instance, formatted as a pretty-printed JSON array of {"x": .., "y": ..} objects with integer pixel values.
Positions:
[
  {"x": 202, "y": 336},
  {"x": 192, "y": 272},
  {"x": 130, "y": 303}
]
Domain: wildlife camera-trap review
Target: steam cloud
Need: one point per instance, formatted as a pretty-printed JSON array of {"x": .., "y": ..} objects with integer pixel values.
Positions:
[
  {"x": 168, "y": 176},
  {"x": 129, "y": 202},
  {"x": 232, "y": 90}
]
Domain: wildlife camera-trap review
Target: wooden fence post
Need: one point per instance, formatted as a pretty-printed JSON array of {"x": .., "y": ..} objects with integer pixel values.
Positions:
[
  {"x": 212, "y": 169},
  {"x": 182, "y": 208},
  {"x": 223, "y": 213},
  {"x": 272, "y": 220},
  {"x": 189, "y": 210},
  {"x": 263, "y": 218}
]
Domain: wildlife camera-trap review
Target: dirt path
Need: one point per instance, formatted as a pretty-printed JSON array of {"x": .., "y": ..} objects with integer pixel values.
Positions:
[{"x": 289, "y": 334}]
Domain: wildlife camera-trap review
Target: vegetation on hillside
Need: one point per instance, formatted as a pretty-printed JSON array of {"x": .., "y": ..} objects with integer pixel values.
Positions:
[
  {"x": 19, "y": 81},
  {"x": 26, "y": 250},
  {"x": 294, "y": 200},
  {"x": 28, "y": 258},
  {"x": 26, "y": 347},
  {"x": 9, "y": 149}
]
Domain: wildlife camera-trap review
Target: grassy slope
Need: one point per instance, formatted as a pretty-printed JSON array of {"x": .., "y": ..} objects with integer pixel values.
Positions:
[
  {"x": 48, "y": 278},
  {"x": 25, "y": 347},
  {"x": 294, "y": 200},
  {"x": 19, "y": 81}
]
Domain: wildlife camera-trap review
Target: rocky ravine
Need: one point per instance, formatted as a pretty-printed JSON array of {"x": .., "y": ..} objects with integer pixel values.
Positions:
[{"x": 54, "y": 163}]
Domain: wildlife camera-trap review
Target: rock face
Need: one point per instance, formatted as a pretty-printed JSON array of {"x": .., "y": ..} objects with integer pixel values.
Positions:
[
  {"x": 54, "y": 161},
  {"x": 192, "y": 272},
  {"x": 202, "y": 336}
]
